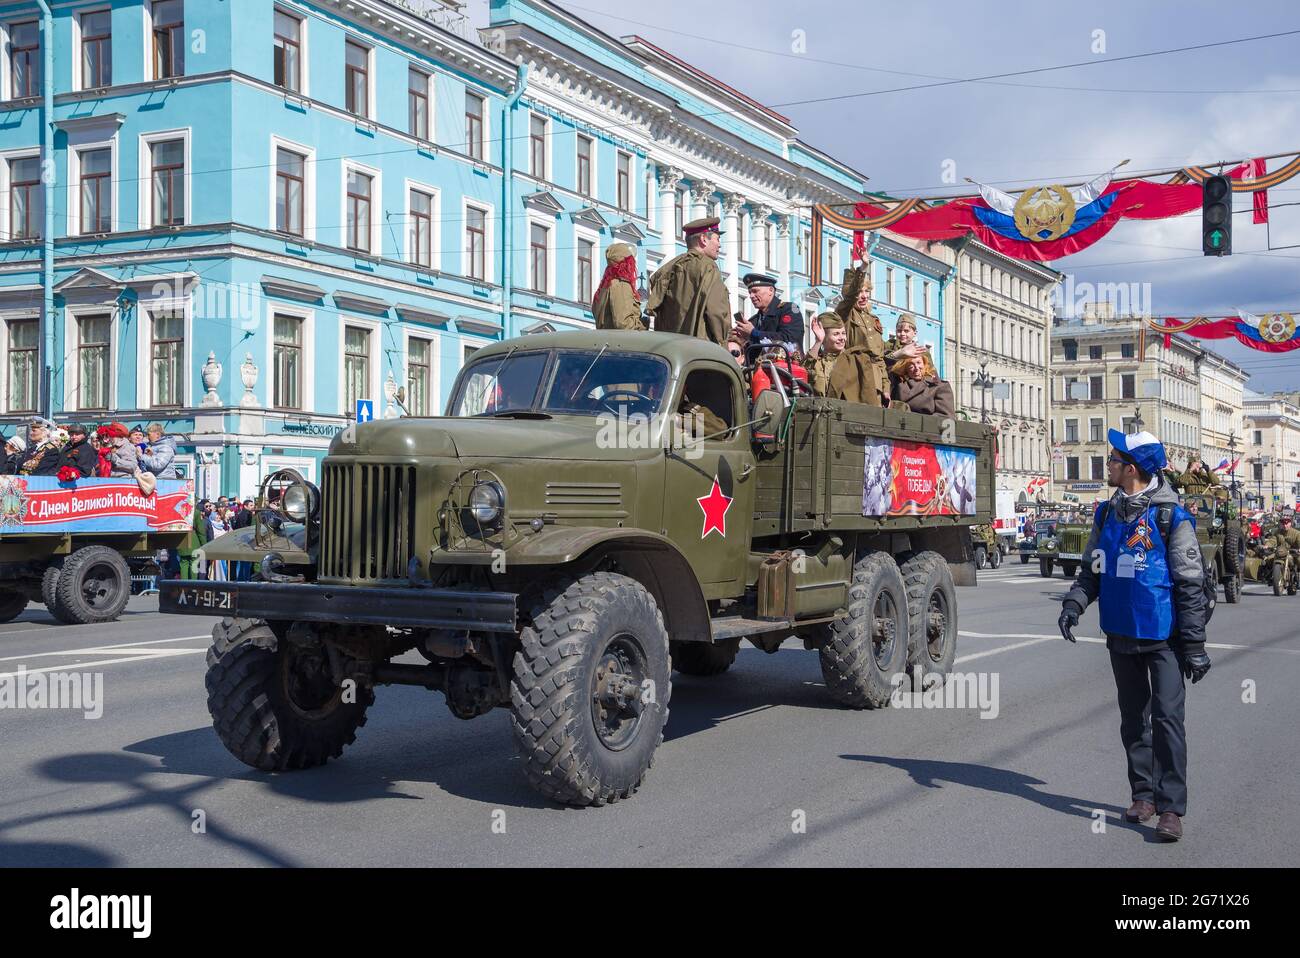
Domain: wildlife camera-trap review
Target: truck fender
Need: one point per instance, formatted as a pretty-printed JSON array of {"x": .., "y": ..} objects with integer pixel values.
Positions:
[
  {"x": 651, "y": 559},
  {"x": 229, "y": 633},
  {"x": 239, "y": 545}
]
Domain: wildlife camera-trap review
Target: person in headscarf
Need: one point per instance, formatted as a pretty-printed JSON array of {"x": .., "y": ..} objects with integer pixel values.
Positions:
[
  {"x": 15, "y": 454},
  {"x": 617, "y": 305},
  {"x": 123, "y": 458}
]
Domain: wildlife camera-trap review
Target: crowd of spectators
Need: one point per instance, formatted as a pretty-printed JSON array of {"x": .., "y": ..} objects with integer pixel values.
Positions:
[{"x": 73, "y": 452}]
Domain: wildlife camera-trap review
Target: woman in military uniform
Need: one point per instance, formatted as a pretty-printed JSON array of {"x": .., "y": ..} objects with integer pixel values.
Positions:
[
  {"x": 616, "y": 304},
  {"x": 862, "y": 376}
]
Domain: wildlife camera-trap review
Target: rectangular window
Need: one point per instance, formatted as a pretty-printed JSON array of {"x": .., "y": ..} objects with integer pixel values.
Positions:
[
  {"x": 418, "y": 101},
  {"x": 624, "y": 181},
  {"x": 26, "y": 201},
  {"x": 584, "y": 165},
  {"x": 1128, "y": 386},
  {"x": 586, "y": 270},
  {"x": 420, "y": 225},
  {"x": 1071, "y": 467},
  {"x": 356, "y": 366},
  {"x": 1094, "y": 352},
  {"x": 168, "y": 183},
  {"x": 96, "y": 191},
  {"x": 24, "y": 345},
  {"x": 1126, "y": 350},
  {"x": 358, "y": 212},
  {"x": 167, "y": 358},
  {"x": 419, "y": 379},
  {"x": 678, "y": 210},
  {"x": 742, "y": 230},
  {"x": 538, "y": 239},
  {"x": 1096, "y": 430},
  {"x": 474, "y": 125},
  {"x": 1071, "y": 430},
  {"x": 1071, "y": 349},
  {"x": 290, "y": 188},
  {"x": 168, "y": 39},
  {"x": 93, "y": 362},
  {"x": 288, "y": 51},
  {"x": 767, "y": 245},
  {"x": 1095, "y": 387},
  {"x": 96, "y": 50},
  {"x": 925, "y": 298},
  {"x": 1098, "y": 467},
  {"x": 889, "y": 286},
  {"x": 356, "y": 78},
  {"x": 25, "y": 59},
  {"x": 288, "y": 368},
  {"x": 475, "y": 243},
  {"x": 537, "y": 146}
]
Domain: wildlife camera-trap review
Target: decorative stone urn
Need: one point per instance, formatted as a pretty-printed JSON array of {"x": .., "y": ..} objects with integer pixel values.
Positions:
[
  {"x": 211, "y": 380},
  {"x": 390, "y": 393},
  {"x": 248, "y": 373}
]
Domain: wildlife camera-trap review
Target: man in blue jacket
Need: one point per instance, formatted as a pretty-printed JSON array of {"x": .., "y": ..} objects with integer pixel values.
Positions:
[{"x": 1142, "y": 565}]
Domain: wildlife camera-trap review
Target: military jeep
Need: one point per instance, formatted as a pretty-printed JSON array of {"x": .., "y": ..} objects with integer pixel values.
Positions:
[
  {"x": 1222, "y": 539},
  {"x": 1064, "y": 547},
  {"x": 986, "y": 546},
  {"x": 595, "y": 511}
]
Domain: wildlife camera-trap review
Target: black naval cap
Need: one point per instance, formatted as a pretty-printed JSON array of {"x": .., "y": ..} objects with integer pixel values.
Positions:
[{"x": 758, "y": 279}]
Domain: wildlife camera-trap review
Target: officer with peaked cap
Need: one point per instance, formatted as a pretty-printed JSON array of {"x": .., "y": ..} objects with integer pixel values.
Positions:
[
  {"x": 775, "y": 320},
  {"x": 1143, "y": 569},
  {"x": 687, "y": 294},
  {"x": 617, "y": 304}
]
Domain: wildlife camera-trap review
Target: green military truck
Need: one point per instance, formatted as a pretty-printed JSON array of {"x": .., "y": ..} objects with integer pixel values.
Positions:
[
  {"x": 986, "y": 545},
  {"x": 596, "y": 510}
]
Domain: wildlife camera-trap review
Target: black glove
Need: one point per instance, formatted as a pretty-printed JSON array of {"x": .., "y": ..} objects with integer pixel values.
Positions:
[
  {"x": 1070, "y": 613},
  {"x": 1194, "y": 663}
]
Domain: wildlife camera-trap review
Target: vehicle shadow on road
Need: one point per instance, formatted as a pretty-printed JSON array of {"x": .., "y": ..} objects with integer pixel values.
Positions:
[
  {"x": 932, "y": 774},
  {"x": 52, "y": 855}
]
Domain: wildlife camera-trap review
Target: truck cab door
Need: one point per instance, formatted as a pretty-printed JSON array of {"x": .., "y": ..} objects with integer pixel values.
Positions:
[{"x": 709, "y": 480}]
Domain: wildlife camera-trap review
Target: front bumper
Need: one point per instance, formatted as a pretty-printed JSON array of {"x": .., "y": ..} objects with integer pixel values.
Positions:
[{"x": 306, "y": 602}]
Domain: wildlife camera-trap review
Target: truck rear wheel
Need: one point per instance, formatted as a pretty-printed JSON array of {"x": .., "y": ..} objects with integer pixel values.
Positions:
[
  {"x": 590, "y": 689},
  {"x": 92, "y": 587},
  {"x": 702, "y": 658},
  {"x": 863, "y": 651},
  {"x": 995, "y": 558},
  {"x": 274, "y": 705},
  {"x": 1024, "y": 558},
  {"x": 981, "y": 557},
  {"x": 1045, "y": 568},
  {"x": 12, "y": 605},
  {"x": 931, "y": 616},
  {"x": 1232, "y": 588},
  {"x": 50, "y": 589}
]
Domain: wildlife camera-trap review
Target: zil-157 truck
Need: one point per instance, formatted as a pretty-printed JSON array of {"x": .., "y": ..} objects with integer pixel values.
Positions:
[{"x": 595, "y": 510}]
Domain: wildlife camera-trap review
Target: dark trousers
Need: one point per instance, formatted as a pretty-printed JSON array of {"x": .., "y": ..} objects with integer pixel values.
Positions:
[{"x": 1151, "y": 698}]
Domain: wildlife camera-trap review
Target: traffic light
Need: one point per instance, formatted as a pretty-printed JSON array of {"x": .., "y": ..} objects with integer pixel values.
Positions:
[{"x": 1216, "y": 216}]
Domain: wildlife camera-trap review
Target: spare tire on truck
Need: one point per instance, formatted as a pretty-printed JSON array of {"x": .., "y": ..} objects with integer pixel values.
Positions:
[{"x": 93, "y": 586}]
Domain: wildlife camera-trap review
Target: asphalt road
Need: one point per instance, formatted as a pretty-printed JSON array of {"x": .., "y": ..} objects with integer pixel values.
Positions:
[{"x": 747, "y": 757}]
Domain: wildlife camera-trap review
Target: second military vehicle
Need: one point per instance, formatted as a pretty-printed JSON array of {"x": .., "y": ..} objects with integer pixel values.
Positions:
[{"x": 596, "y": 510}]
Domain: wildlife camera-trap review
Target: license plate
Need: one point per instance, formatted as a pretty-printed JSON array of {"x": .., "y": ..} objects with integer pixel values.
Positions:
[{"x": 210, "y": 598}]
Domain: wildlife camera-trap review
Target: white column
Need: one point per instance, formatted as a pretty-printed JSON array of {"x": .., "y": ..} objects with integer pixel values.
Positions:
[
  {"x": 732, "y": 204},
  {"x": 783, "y": 256},
  {"x": 669, "y": 178},
  {"x": 701, "y": 193}
]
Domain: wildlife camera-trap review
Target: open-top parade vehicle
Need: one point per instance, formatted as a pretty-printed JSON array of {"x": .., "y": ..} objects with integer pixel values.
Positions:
[{"x": 596, "y": 510}]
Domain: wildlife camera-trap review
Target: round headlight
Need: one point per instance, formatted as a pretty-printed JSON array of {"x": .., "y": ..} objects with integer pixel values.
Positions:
[
  {"x": 298, "y": 501},
  {"x": 486, "y": 501},
  {"x": 1050, "y": 544}
]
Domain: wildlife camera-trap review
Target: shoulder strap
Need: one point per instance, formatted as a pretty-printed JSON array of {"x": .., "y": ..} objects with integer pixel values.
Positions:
[{"x": 1103, "y": 511}]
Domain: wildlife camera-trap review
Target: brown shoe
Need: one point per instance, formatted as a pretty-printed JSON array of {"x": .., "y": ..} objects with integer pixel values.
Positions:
[
  {"x": 1139, "y": 811},
  {"x": 1169, "y": 828}
]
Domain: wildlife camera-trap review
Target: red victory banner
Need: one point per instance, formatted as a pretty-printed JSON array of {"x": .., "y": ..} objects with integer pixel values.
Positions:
[
  {"x": 915, "y": 478},
  {"x": 94, "y": 505}
]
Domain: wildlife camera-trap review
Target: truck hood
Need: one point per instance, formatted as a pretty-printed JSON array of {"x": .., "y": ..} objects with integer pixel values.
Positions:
[{"x": 562, "y": 437}]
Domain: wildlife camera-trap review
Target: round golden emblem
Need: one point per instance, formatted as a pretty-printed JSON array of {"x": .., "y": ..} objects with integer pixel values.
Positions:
[{"x": 1044, "y": 213}]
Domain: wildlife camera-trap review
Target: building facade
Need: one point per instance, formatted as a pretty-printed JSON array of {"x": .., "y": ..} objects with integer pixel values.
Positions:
[
  {"x": 1223, "y": 383},
  {"x": 1272, "y": 449},
  {"x": 1101, "y": 380},
  {"x": 999, "y": 356},
  {"x": 267, "y": 217}
]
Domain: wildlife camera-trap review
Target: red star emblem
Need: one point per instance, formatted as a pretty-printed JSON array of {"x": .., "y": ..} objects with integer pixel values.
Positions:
[{"x": 715, "y": 506}]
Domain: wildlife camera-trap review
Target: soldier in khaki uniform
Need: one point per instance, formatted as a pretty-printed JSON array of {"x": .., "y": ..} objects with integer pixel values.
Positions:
[
  {"x": 862, "y": 376},
  {"x": 1197, "y": 478},
  {"x": 616, "y": 304},
  {"x": 824, "y": 370},
  {"x": 687, "y": 294},
  {"x": 1287, "y": 540}
]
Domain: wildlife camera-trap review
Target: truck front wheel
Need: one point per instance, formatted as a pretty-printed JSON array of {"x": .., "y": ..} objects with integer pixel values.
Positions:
[
  {"x": 590, "y": 689},
  {"x": 1232, "y": 587},
  {"x": 1045, "y": 568},
  {"x": 931, "y": 615},
  {"x": 863, "y": 651},
  {"x": 11, "y": 605},
  {"x": 274, "y": 705},
  {"x": 701, "y": 658},
  {"x": 92, "y": 587}
]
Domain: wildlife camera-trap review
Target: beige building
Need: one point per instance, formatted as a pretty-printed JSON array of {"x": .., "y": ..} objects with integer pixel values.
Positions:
[
  {"x": 1272, "y": 448},
  {"x": 1100, "y": 381},
  {"x": 998, "y": 357},
  {"x": 1222, "y": 385}
]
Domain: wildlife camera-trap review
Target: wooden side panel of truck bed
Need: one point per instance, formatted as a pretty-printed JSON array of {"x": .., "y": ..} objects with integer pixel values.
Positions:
[{"x": 814, "y": 480}]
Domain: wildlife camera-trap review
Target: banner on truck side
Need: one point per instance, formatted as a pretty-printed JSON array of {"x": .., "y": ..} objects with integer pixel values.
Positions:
[
  {"x": 43, "y": 504},
  {"x": 917, "y": 479}
]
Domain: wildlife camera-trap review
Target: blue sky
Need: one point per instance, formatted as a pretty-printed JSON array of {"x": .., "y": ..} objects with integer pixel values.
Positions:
[{"x": 1023, "y": 131}]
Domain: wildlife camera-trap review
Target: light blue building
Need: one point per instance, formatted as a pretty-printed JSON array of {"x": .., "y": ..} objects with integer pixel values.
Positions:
[{"x": 247, "y": 216}]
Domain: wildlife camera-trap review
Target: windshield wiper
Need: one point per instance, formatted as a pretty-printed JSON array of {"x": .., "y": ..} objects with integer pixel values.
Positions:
[
  {"x": 584, "y": 375},
  {"x": 497, "y": 375}
]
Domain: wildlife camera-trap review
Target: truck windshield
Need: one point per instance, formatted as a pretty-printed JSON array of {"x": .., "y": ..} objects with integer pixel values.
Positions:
[{"x": 578, "y": 382}]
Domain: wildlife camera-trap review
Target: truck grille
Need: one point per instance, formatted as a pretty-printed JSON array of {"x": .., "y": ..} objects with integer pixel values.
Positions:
[{"x": 367, "y": 521}]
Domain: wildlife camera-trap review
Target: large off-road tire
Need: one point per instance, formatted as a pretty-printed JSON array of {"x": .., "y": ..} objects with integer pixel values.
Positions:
[
  {"x": 1234, "y": 549},
  {"x": 931, "y": 616},
  {"x": 12, "y": 605},
  {"x": 93, "y": 586},
  {"x": 1068, "y": 569},
  {"x": 702, "y": 658},
  {"x": 1232, "y": 588},
  {"x": 981, "y": 557},
  {"x": 590, "y": 688},
  {"x": 274, "y": 704},
  {"x": 995, "y": 558},
  {"x": 1045, "y": 568},
  {"x": 50, "y": 589},
  {"x": 1024, "y": 558},
  {"x": 1279, "y": 576},
  {"x": 863, "y": 651}
]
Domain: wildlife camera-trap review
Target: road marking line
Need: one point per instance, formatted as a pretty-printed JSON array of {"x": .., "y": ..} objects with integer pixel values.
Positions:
[
  {"x": 105, "y": 649},
  {"x": 1088, "y": 638},
  {"x": 170, "y": 653},
  {"x": 1004, "y": 648}
]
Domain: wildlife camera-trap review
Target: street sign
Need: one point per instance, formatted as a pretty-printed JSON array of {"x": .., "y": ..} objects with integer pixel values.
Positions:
[{"x": 365, "y": 410}]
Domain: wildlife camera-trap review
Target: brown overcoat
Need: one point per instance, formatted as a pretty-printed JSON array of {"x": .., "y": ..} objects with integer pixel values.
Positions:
[{"x": 929, "y": 395}]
